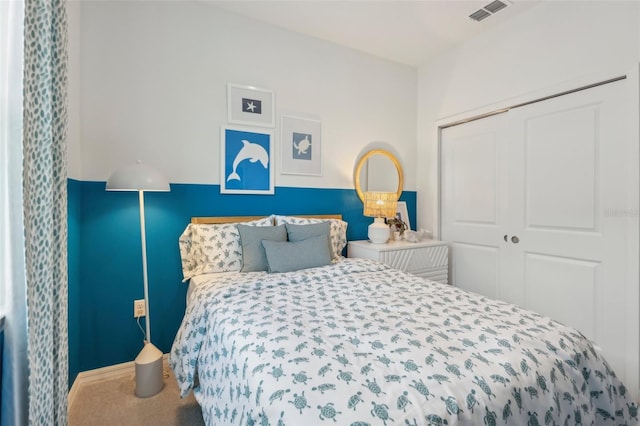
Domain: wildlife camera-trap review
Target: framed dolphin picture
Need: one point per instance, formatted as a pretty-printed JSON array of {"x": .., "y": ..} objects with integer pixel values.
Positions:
[
  {"x": 247, "y": 161},
  {"x": 301, "y": 146}
]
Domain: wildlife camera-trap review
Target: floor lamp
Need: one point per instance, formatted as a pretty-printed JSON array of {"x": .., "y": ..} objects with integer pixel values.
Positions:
[{"x": 141, "y": 177}]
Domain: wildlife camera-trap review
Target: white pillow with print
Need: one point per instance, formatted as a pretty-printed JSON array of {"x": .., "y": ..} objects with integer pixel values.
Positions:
[{"x": 212, "y": 248}]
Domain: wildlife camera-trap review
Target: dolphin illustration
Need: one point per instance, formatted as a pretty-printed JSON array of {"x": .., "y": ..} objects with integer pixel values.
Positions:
[{"x": 252, "y": 152}]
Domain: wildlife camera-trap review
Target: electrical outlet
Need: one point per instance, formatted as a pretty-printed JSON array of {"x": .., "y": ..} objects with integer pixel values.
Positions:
[{"x": 139, "y": 308}]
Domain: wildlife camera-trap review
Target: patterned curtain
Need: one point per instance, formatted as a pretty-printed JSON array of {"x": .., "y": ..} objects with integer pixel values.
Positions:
[
  {"x": 45, "y": 207},
  {"x": 13, "y": 300}
]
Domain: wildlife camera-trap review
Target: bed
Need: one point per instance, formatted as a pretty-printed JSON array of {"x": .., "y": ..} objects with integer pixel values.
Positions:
[{"x": 354, "y": 342}]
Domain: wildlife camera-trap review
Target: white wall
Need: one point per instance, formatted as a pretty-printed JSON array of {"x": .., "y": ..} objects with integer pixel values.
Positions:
[
  {"x": 153, "y": 86},
  {"x": 544, "y": 46},
  {"x": 74, "y": 148}
]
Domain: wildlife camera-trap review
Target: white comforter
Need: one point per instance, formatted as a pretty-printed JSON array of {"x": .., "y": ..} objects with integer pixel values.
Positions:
[{"x": 357, "y": 343}]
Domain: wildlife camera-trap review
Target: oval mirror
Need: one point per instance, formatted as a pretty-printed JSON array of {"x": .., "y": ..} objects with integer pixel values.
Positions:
[{"x": 378, "y": 170}]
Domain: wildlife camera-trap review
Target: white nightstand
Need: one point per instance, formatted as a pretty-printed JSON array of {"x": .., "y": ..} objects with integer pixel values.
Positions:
[{"x": 428, "y": 259}]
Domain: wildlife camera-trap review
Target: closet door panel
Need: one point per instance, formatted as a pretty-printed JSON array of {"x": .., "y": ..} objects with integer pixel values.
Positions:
[
  {"x": 473, "y": 179},
  {"x": 472, "y": 158},
  {"x": 552, "y": 281},
  {"x": 476, "y": 268},
  {"x": 565, "y": 155},
  {"x": 561, "y": 169}
]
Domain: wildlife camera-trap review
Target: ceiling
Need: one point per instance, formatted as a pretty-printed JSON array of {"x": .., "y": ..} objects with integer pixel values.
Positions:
[{"x": 404, "y": 31}]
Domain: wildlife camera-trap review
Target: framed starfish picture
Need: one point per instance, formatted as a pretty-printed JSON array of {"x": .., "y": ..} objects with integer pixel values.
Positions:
[
  {"x": 301, "y": 146},
  {"x": 250, "y": 105}
]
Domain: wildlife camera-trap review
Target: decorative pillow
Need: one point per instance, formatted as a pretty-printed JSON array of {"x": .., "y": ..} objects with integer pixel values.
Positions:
[
  {"x": 337, "y": 230},
  {"x": 253, "y": 256},
  {"x": 206, "y": 248},
  {"x": 297, "y": 233},
  {"x": 292, "y": 256}
]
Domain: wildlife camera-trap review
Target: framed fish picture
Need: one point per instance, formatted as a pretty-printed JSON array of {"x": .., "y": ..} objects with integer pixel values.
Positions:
[
  {"x": 301, "y": 146},
  {"x": 247, "y": 161},
  {"x": 248, "y": 105}
]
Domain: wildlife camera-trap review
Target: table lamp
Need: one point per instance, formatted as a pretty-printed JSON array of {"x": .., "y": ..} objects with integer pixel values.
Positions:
[
  {"x": 141, "y": 177},
  {"x": 380, "y": 205}
]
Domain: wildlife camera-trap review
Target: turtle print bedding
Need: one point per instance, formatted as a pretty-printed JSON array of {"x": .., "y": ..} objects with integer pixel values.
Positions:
[{"x": 358, "y": 343}]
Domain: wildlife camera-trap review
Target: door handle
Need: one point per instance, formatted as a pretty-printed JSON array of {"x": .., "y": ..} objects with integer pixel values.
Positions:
[
  {"x": 515, "y": 240},
  {"x": 506, "y": 237}
]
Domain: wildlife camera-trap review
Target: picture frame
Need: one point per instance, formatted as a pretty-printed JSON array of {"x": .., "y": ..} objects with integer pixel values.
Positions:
[
  {"x": 402, "y": 213},
  {"x": 301, "y": 146},
  {"x": 246, "y": 161},
  {"x": 251, "y": 106}
]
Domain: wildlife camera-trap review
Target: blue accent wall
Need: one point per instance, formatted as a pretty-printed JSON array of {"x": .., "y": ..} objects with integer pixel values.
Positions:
[
  {"x": 105, "y": 264},
  {"x": 74, "y": 202}
]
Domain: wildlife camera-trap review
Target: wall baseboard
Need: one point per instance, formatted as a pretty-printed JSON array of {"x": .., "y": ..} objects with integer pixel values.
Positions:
[{"x": 105, "y": 373}]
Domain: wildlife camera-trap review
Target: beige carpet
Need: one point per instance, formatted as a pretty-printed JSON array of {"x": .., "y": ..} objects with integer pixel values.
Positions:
[{"x": 112, "y": 402}]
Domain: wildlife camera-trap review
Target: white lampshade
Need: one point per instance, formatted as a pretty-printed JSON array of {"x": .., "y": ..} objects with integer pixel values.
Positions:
[{"x": 137, "y": 177}]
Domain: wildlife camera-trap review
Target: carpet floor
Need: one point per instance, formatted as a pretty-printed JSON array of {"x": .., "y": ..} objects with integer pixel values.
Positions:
[{"x": 113, "y": 402}]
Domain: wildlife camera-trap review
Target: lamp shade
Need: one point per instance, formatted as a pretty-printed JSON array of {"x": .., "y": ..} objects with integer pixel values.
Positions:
[
  {"x": 380, "y": 204},
  {"x": 137, "y": 177}
]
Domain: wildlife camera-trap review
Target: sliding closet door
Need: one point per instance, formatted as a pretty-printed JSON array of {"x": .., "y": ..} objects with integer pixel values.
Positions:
[
  {"x": 473, "y": 168},
  {"x": 540, "y": 206},
  {"x": 568, "y": 173}
]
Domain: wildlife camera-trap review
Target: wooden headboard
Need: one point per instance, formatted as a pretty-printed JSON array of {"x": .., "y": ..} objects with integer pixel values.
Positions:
[{"x": 240, "y": 219}]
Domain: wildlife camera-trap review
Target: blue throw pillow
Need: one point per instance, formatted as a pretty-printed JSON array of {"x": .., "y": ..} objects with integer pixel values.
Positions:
[
  {"x": 292, "y": 256},
  {"x": 302, "y": 232},
  {"x": 253, "y": 256},
  {"x": 297, "y": 233}
]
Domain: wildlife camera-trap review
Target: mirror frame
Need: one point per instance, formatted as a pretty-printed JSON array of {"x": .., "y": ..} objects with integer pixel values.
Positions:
[{"x": 362, "y": 162}]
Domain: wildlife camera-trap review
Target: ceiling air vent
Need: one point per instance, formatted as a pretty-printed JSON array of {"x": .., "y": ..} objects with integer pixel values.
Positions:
[
  {"x": 488, "y": 10},
  {"x": 479, "y": 15},
  {"x": 495, "y": 6}
]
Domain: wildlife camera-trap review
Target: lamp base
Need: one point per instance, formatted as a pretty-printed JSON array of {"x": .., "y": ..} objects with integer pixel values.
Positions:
[
  {"x": 149, "y": 380},
  {"x": 379, "y": 231}
]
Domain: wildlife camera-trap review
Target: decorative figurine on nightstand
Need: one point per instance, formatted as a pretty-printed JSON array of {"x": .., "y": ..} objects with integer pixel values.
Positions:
[
  {"x": 397, "y": 227},
  {"x": 416, "y": 236}
]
